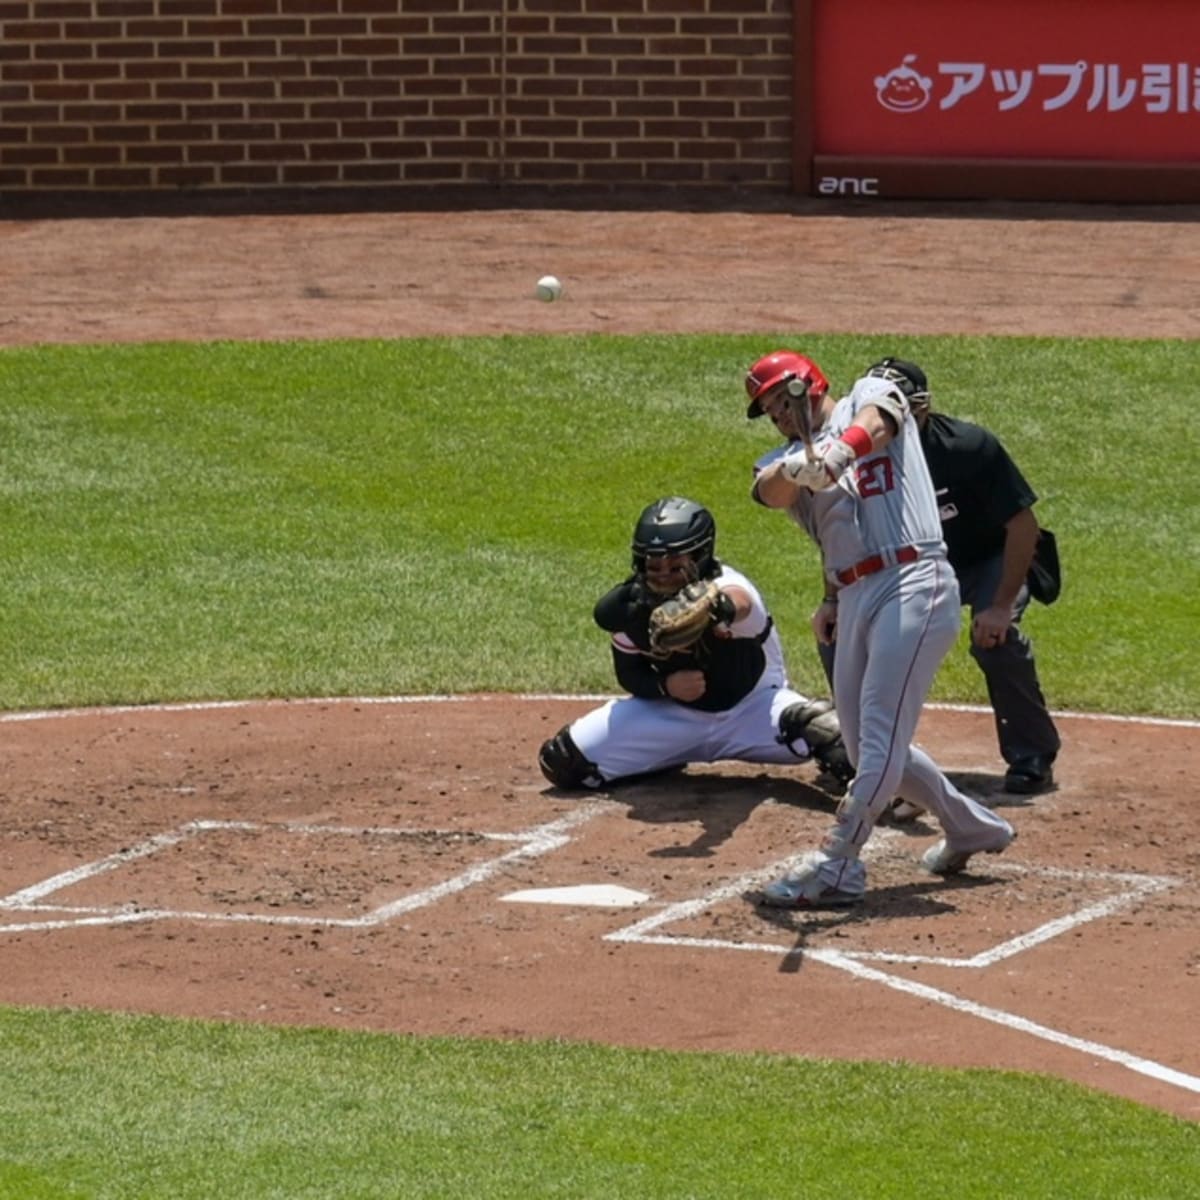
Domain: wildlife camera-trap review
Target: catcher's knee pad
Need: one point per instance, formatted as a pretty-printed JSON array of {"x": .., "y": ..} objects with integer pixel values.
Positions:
[
  {"x": 564, "y": 765},
  {"x": 817, "y": 723}
]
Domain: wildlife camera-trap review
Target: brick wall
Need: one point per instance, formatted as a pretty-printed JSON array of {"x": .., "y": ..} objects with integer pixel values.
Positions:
[{"x": 170, "y": 95}]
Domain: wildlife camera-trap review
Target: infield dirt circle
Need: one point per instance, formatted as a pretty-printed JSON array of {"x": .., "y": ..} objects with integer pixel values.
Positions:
[{"x": 356, "y": 863}]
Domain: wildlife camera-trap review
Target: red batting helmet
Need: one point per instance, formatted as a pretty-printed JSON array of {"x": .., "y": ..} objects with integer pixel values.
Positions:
[{"x": 780, "y": 367}]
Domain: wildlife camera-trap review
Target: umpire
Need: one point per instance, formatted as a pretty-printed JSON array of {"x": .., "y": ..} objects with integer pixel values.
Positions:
[{"x": 992, "y": 537}]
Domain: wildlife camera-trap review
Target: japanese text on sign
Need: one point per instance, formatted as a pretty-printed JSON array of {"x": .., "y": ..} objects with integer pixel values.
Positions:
[{"x": 1094, "y": 87}]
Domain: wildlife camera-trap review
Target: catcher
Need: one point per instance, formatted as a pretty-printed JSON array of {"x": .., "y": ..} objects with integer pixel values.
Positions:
[{"x": 698, "y": 653}]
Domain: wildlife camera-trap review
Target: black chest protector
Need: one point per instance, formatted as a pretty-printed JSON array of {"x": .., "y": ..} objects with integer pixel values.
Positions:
[{"x": 731, "y": 665}]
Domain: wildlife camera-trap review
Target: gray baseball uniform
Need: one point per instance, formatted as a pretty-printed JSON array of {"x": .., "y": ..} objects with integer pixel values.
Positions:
[{"x": 898, "y": 615}]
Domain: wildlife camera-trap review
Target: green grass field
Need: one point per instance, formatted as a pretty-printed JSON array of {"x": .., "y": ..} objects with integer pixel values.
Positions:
[
  {"x": 231, "y": 520},
  {"x": 352, "y": 518},
  {"x": 112, "y": 1106}
]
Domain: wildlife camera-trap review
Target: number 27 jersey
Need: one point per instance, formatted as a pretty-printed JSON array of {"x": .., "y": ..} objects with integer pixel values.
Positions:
[{"x": 883, "y": 500}]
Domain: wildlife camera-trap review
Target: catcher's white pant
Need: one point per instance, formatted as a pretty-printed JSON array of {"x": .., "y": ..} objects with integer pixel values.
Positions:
[{"x": 633, "y": 736}]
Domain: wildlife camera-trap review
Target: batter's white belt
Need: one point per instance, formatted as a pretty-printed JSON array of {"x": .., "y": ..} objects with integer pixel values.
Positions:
[{"x": 868, "y": 566}]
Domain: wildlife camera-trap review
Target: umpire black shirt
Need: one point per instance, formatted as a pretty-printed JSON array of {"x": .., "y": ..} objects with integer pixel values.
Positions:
[{"x": 979, "y": 489}]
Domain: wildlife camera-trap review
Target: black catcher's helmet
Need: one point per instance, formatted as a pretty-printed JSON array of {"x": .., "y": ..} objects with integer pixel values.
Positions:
[
  {"x": 907, "y": 376},
  {"x": 674, "y": 525}
]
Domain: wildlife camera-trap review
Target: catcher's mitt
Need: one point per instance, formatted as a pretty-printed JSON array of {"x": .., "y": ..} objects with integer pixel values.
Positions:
[{"x": 680, "y": 622}]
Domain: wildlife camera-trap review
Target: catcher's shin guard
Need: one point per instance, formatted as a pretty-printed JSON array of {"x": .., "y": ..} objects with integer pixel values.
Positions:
[
  {"x": 564, "y": 765},
  {"x": 816, "y": 722}
]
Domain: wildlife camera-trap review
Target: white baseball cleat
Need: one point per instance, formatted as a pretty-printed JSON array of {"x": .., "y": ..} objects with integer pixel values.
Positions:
[
  {"x": 818, "y": 882},
  {"x": 944, "y": 859},
  {"x": 790, "y": 893}
]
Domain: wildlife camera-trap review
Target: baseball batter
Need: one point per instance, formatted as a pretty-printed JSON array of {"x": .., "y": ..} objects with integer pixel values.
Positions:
[
  {"x": 992, "y": 541},
  {"x": 861, "y": 489},
  {"x": 724, "y": 696}
]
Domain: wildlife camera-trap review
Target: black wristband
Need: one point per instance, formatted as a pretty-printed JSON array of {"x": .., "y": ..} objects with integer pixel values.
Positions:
[{"x": 724, "y": 611}]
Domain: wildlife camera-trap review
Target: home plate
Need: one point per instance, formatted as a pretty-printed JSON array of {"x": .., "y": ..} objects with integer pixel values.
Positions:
[{"x": 601, "y": 895}]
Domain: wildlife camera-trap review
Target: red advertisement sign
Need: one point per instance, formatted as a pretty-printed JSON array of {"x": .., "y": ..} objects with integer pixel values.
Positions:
[{"x": 1109, "y": 80}]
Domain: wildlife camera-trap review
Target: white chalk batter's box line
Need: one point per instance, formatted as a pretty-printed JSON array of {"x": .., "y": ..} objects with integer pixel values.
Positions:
[
  {"x": 548, "y": 837},
  {"x": 854, "y": 963},
  {"x": 532, "y": 843},
  {"x": 1130, "y": 888}
]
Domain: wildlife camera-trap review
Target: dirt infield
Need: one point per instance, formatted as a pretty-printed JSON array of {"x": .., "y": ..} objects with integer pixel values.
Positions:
[
  {"x": 348, "y": 864},
  {"x": 354, "y": 863},
  {"x": 1008, "y": 271}
]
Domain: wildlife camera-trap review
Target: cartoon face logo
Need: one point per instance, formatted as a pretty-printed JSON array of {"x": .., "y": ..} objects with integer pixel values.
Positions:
[{"x": 903, "y": 89}]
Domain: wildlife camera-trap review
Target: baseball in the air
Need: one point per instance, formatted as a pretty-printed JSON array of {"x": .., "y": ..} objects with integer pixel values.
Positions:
[{"x": 548, "y": 288}]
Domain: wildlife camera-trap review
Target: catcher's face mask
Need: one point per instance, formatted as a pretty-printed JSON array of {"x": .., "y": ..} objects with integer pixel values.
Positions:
[{"x": 667, "y": 573}]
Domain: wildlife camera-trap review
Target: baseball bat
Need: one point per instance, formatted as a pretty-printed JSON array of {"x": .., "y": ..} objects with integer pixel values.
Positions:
[{"x": 801, "y": 410}]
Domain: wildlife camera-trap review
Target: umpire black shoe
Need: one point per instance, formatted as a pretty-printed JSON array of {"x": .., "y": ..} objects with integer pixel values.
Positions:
[{"x": 1030, "y": 776}]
